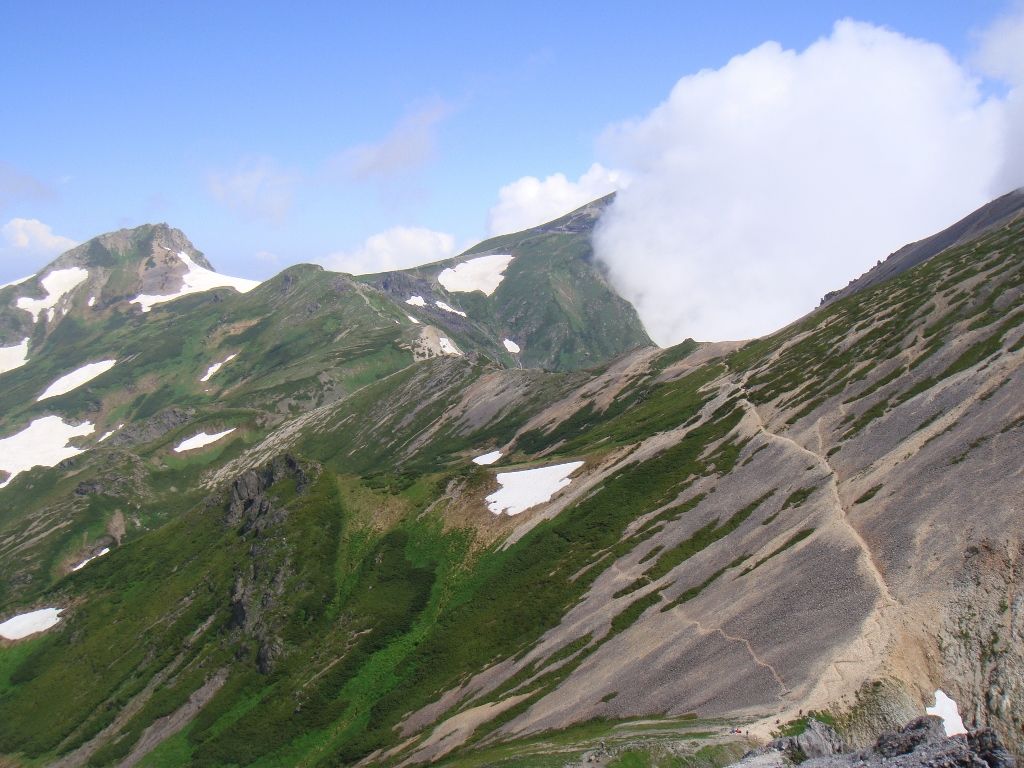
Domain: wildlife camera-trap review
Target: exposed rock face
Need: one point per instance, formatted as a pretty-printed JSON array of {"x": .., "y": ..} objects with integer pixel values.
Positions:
[
  {"x": 152, "y": 428},
  {"x": 921, "y": 743},
  {"x": 818, "y": 740},
  {"x": 259, "y": 585}
]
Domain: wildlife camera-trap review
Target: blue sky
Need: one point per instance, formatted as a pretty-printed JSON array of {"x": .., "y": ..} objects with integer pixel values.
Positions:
[{"x": 274, "y": 133}]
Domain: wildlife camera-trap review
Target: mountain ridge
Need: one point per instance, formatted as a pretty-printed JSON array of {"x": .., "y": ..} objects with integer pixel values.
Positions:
[{"x": 748, "y": 531}]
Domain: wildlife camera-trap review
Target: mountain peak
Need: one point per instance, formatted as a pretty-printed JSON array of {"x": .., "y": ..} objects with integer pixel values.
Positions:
[{"x": 149, "y": 245}]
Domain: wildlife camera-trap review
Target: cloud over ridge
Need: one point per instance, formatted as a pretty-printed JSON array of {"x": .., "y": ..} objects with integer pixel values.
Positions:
[{"x": 757, "y": 187}]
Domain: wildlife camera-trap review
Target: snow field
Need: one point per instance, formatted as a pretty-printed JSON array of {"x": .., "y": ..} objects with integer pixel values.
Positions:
[
  {"x": 196, "y": 280},
  {"x": 511, "y": 346},
  {"x": 483, "y": 273},
  {"x": 57, "y": 285},
  {"x": 13, "y": 357},
  {"x": 26, "y": 624},
  {"x": 76, "y": 378},
  {"x": 416, "y": 301},
  {"x": 529, "y": 487},
  {"x": 487, "y": 458},
  {"x": 43, "y": 443},
  {"x": 200, "y": 440}
]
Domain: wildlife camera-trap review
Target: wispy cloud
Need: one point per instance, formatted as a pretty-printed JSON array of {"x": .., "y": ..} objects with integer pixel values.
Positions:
[
  {"x": 256, "y": 188},
  {"x": 410, "y": 144},
  {"x": 17, "y": 186}
]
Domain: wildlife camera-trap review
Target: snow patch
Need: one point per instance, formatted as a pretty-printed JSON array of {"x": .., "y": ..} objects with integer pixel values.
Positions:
[
  {"x": 413, "y": 319},
  {"x": 446, "y": 308},
  {"x": 108, "y": 434},
  {"x": 196, "y": 280},
  {"x": 43, "y": 443},
  {"x": 57, "y": 285},
  {"x": 448, "y": 347},
  {"x": 487, "y": 458},
  {"x": 198, "y": 441},
  {"x": 416, "y": 301},
  {"x": 19, "y": 281},
  {"x": 75, "y": 379},
  {"x": 88, "y": 560},
  {"x": 483, "y": 273},
  {"x": 92, "y": 301},
  {"x": 529, "y": 487},
  {"x": 947, "y": 709},
  {"x": 13, "y": 357},
  {"x": 216, "y": 367},
  {"x": 511, "y": 346},
  {"x": 26, "y": 624}
]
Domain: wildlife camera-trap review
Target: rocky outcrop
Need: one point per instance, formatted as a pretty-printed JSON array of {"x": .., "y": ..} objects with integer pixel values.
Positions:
[
  {"x": 260, "y": 582},
  {"x": 921, "y": 743},
  {"x": 817, "y": 740},
  {"x": 152, "y": 428}
]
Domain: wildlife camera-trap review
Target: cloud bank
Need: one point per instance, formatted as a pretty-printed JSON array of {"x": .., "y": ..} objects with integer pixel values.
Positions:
[
  {"x": 395, "y": 248},
  {"x": 758, "y": 187},
  {"x": 31, "y": 237},
  {"x": 529, "y": 201}
]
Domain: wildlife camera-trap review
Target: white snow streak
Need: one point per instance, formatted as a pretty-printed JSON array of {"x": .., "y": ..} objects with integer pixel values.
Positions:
[
  {"x": 16, "y": 282},
  {"x": 484, "y": 273},
  {"x": 26, "y": 624},
  {"x": 108, "y": 434},
  {"x": 198, "y": 441},
  {"x": 196, "y": 280},
  {"x": 43, "y": 443},
  {"x": 57, "y": 285},
  {"x": 446, "y": 308},
  {"x": 529, "y": 487},
  {"x": 216, "y": 367},
  {"x": 88, "y": 560},
  {"x": 75, "y": 379},
  {"x": 13, "y": 357}
]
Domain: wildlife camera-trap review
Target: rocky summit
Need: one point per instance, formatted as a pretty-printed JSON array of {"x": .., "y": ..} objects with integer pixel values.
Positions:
[{"x": 467, "y": 514}]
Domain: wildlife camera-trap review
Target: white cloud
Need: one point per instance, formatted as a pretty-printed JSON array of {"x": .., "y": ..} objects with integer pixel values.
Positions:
[
  {"x": 756, "y": 188},
  {"x": 530, "y": 202},
  {"x": 395, "y": 248},
  {"x": 409, "y": 145},
  {"x": 257, "y": 188},
  {"x": 33, "y": 237},
  {"x": 1001, "y": 56}
]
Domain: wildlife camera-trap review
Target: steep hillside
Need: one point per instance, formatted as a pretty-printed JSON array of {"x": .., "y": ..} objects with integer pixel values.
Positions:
[
  {"x": 668, "y": 543},
  {"x": 554, "y": 304},
  {"x": 126, "y": 347}
]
